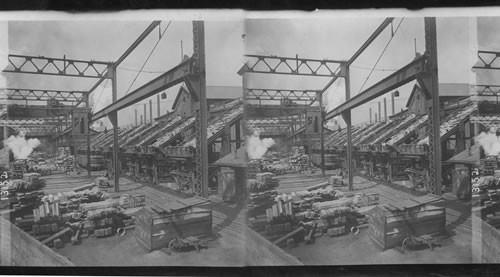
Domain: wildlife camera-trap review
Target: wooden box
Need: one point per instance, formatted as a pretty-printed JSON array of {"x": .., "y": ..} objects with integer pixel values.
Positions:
[
  {"x": 388, "y": 229},
  {"x": 154, "y": 231}
]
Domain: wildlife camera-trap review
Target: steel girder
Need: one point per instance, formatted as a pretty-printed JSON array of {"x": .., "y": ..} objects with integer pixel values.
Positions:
[
  {"x": 166, "y": 80},
  {"x": 27, "y": 122},
  {"x": 44, "y": 95},
  {"x": 57, "y": 66},
  {"x": 405, "y": 75},
  {"x": 281, "y": 94},
  {"x": 487, "y": 60},
  {"x": 293, "y": 66},
  {"x": 487, "y": 90}
]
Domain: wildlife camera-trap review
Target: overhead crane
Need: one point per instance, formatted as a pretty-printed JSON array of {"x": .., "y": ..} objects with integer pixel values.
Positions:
[
  {"x": 423, "y": 69},
  {"x": 191, "y": 71}
]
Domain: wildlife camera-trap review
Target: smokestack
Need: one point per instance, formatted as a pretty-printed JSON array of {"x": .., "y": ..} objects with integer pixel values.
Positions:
[
  {"x": 376, "y": 119},
  {"x": 370, "y": 115},
  {"x": 158, "y": 104},
  {"x": 145, "y": 116},
  {"x": 151, "y": 110},
  {"x": 385, "y": 109},
  {"x": 379, "y": 112},
  {"x": 135, "y": 117},
  {"x": 392, "y": 103},
  {"x": 141, "y": 119}
]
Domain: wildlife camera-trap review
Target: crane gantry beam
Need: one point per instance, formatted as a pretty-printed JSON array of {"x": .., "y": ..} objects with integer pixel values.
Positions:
[
  {"x": 292, "y": 66},
  {"x": 280, "y": 94},
  {"x": 44, "y": 95},
  {"x": 57, "y": 66}
]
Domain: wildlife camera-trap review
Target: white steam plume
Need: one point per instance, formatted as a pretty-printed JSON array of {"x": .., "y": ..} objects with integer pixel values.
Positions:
[
  {"x": 490, "y": 142},
  {"x": 21, "y": 147},
  {"x": 258, "y": 147}
]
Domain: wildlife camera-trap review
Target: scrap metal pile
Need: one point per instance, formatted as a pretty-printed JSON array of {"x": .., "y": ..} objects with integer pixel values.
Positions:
[
  {"x": 262, "y": 191},
  {"x": 56, "y": 219},
  {"x": 304, "y": 215}
]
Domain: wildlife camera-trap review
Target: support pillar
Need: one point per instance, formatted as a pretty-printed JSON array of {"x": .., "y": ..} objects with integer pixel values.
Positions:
[
  {"x": 460, "y": 138},
  {"x": 389, "y": 171},
  {"x": 347, "y": 118},
  {"x": 155, "y": 173},
  {"x": 198, "y": 83},
  {"x": 114, "y": 121},
  {"x": 137, "y": 168},
  {"x": 226, "y": 141},
  {"x": 319, "y": 95},
  {"x": 237, "y": 131},
  {"x": 87, "y": 132}
]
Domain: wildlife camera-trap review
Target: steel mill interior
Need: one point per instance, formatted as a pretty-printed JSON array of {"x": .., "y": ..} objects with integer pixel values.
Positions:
[{"x": 139, "y": 156}]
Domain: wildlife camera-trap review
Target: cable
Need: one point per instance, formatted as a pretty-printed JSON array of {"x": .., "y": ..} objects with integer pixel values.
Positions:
[
  {"x": 147, "y": 59},
  {"x": 144, "y": 71},
  {"x": 381, "y": 54},
  {"x": 378, "y": 69},
  {"x": 99, "y": 98}
]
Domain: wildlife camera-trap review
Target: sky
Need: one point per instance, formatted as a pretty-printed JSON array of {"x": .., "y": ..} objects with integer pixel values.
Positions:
[
  {"x": 339, "y": 38},
  {"x": 107, "y": 40}
]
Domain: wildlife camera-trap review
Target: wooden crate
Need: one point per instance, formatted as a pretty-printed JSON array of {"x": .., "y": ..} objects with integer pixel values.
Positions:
[
  {"x": 389, "y": 228},
  {"x": 154, "y": 231}
]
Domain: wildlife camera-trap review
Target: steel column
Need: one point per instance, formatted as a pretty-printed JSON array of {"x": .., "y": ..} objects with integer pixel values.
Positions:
[
  {"x": 114, "y": 120},
  {"x": 201, "y": 184},
  {"x": 87, "y": 104},
  {"x": 237, "y": 131},
  {"x": 347, "y": 118},
  {"x": 322, "y": 133},
  {"x": 430, "y": 79}
]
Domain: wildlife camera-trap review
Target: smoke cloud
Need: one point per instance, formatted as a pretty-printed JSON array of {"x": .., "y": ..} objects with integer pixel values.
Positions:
[
  {"x": 490, "y": 142},
  {"x": 21, "y": 147},
  {"x": 258, "y": 147}
]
